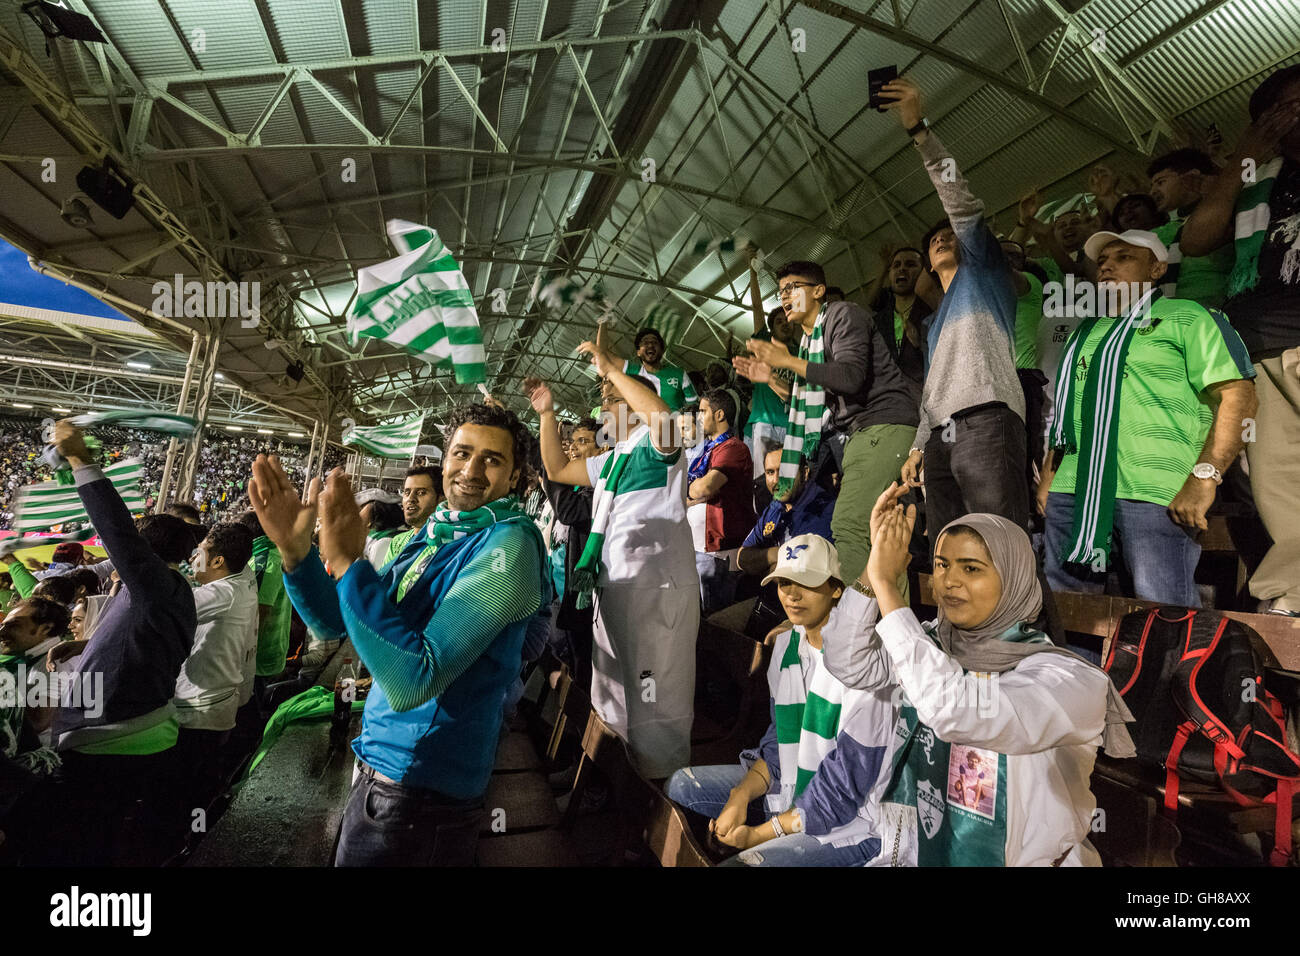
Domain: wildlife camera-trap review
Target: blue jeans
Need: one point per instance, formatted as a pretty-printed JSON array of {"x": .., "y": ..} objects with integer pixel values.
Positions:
[
  {"x": 1156, "y": 558},
  {"x": 387, "y": 824},
  {"x": 800, "y": 849},
  {"x": 704, "y": 790},
  {"x": 717, "y": 582}
]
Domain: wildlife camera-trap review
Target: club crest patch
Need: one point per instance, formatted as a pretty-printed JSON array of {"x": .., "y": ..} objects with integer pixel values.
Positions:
[{"x": 930, "y": 807}]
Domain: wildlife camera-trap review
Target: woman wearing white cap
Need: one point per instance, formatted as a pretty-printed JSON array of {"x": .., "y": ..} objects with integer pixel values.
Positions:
[
  {"x": 999, "y": 728},
  {"x": 820, "y": 768}
]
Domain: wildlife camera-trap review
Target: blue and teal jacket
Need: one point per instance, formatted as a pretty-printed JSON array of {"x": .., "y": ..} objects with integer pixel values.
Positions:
[{"x": 443, "y": 657}]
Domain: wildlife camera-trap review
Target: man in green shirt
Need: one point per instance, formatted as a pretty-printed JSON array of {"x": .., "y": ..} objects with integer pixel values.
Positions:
[
  {"x": 1151, "y": 396},
  {"x": 1177, "y": 180},
  {"x": 274, "y": 612},
  {"x": 671, "y": 382}
]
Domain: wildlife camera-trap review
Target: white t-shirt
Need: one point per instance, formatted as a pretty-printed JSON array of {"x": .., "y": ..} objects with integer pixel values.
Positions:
[
  {"x": 647, "y": 542},
  {"x": 1052, "y": 333}
]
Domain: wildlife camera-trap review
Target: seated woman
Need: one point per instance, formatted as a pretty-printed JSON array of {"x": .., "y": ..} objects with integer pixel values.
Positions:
[
  {"x": 822, "y": 765},
  {"x": 999, "y": 728}
]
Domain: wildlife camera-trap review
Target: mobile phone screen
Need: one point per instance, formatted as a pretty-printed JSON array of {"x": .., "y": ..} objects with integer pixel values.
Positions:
[{"x": 877, "y": 79}]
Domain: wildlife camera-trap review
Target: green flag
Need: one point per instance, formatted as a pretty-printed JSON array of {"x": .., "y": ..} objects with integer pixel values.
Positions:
[
  {"x": 421, "y": 302},
  {"x": 398, "y": 440},
  {"x": 48, "y": 503}
]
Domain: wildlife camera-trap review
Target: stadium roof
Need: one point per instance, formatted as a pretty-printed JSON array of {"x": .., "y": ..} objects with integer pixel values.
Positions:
[{"x": 237, "y": 121}]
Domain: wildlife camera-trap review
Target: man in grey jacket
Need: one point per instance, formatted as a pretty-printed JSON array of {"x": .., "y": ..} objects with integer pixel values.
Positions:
[{"x": 870, "y": 414}]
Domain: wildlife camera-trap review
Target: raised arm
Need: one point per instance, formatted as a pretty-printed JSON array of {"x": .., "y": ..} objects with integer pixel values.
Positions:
[
  {"x": 641, "y": 399},
  {"x": 1211, "y": 224},
  {"x": 140, "y": 569},
  {"x": 756, "y": 296},
  {"x": 558, "y": 467}
]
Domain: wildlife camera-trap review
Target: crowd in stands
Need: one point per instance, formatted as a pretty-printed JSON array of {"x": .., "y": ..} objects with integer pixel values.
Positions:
[
  {"x": 224, "y": 463},
  {"x": 958, "y": 420}
]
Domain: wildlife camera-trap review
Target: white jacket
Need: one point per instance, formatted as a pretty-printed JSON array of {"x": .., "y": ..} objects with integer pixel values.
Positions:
[
  {"x": 1047, "y": 715},
  {"x": 208, "y": 689}
]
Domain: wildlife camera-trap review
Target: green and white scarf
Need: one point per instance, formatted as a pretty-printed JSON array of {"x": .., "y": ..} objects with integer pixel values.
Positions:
[
  {"x": 807, "y": 414},
  {"x": 586, "y": 572},
  {"x": 1097, "y": 475},
  {"x": 808, "y": 721},
  {"x": 446, "y": 525},
  {"x": 1253, "y": 215}
]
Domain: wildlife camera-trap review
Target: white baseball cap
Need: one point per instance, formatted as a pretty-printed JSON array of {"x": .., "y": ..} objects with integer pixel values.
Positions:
[
  {"x": 367, "y": 495},
  {"x": 808, "y": 559},
  {"x": 1134, "y": 237}
]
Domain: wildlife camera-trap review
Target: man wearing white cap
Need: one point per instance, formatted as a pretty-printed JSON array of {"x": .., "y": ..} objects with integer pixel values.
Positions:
[
  {"x": 1151, "y": 397},
  {"x": 822, "y": 767}
]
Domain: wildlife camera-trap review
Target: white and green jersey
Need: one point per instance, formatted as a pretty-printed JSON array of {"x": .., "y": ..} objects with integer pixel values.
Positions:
[
  {"x": 647, "y": 542},
  {"x": 672, "y": 383}
]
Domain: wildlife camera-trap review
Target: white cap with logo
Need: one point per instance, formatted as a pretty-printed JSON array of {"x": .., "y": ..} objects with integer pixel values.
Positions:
[
  {"x": 808, "y": 559},
  {"x": 1134, "y": 237}
]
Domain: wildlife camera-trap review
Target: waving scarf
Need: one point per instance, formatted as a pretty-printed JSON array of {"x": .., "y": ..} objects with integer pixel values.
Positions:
[{"x": 978, "y": 649}]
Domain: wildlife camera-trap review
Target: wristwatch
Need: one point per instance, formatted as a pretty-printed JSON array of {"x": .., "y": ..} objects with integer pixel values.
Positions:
[
  {"x": 919, "y": 127},
  {"x": 863, "y": 588},
  {"x": 1204, "y": 469}
]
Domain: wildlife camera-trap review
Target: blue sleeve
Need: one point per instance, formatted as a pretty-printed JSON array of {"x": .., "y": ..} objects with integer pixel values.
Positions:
[
  {"x": 766, "y": 751},
  {"x": 842, "y": 783},
  {"x": 756, "y": 538},
  {"x": 314, "y": 596},
  {"x": 499, "y": 587}
]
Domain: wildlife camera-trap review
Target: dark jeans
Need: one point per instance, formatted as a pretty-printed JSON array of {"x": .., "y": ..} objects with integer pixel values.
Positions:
[
  {"x": 388, "y": 824},
  {"x": 976, "y": 465}
]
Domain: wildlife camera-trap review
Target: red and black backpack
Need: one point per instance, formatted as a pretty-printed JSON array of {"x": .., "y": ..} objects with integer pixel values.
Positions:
[{"x": 1194, "y": 681}]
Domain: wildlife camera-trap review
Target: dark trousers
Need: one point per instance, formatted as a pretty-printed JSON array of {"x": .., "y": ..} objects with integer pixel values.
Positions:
[
  {"x": 977, "y": 464},
  {"x": 387, "y": 824},
  {"x": 1031, "y": 383}
]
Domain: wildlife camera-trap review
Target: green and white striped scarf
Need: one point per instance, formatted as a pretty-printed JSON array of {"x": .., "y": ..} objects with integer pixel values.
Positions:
[
  {"x": 447, "y": 525},
  {"x": 1253, "y": 215},
  {"x": 586, "y": 572},
  {"x": 1097, "y": 474},
  {"x": 807, "y": 413},
  {"x": 49, "y": 503},
  {"x": 807, "y": 720}
]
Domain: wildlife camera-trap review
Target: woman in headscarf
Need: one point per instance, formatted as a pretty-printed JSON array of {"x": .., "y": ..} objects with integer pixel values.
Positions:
[{"x": 977, "y": 680}]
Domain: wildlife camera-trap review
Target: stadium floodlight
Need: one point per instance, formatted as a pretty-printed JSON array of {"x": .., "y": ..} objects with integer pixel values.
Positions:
[
  {"x": 22, "y": 405},
  {"x": 220, "y": 376},
  {"x": 233, "y": 428},
  {"x": 144, "y": 365},
  {"x": 76, "y": 213},
  {"x": 60, "y": 409},
  {"x": 265, "y": 431},
  {"x": 297, "y": 435}
]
